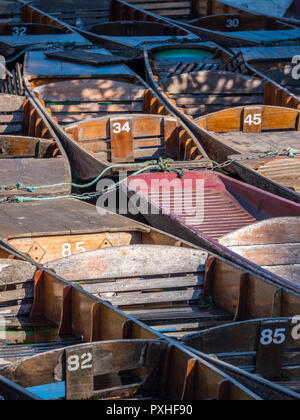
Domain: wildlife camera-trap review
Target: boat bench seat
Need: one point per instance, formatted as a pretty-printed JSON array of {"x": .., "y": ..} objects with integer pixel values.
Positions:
[
  {"x": 160, "y": 285},
  {"x": 168, "y": 304},
  {"x": 203, "y": 92},
  {"x": 128, "y": 138},
  {"x": 19, "y": 146},
  {"x": 180, "y": 9}
]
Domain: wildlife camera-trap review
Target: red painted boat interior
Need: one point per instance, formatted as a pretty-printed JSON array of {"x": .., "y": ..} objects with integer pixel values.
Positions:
[{"x": 212, "y": 203}]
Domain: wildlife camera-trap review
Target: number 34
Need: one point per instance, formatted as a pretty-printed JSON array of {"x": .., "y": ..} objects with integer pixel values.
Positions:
[{"x": 118, "y": 128}]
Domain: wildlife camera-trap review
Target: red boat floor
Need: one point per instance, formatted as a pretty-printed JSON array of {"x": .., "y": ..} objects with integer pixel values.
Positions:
[{"x": 200, "y": 200}]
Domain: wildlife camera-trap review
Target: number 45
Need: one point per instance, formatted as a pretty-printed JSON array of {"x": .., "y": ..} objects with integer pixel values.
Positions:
[{"x": 255, "y": 119}]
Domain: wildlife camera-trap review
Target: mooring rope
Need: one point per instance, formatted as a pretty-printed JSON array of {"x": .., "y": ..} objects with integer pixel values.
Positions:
[{"x": 163, "y": 165}]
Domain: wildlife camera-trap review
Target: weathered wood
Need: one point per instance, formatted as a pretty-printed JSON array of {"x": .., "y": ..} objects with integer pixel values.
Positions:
[
  {"x": 270, "y": 244},
  {"x": 279, "y": 127},
  {"x": 266, "y": 346},
  {"x": 34, "y": 152},
  {"x": 113, "y": 359},
  {"x": 43, "y": 236},
  {"x": 133, "y": 261},
  {"x": 14, "y": 272}
]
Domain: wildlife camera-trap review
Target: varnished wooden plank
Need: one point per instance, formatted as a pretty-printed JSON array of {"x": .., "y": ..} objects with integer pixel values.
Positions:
[{"x": 121, "y": 140}]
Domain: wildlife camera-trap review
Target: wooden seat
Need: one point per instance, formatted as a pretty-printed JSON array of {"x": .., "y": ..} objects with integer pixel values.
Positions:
[
  {"x": 247, "y": 346},
  {"x": 202, "y": 92},
  {"x": 75, "y": 100},
  {"x": 273, "y": 244},
  {"x": 180, "y": 9},
  {"x": 160, "y": 285},
  {"x": 91, "y": 13},
  {"x": 128, "y": 138}
]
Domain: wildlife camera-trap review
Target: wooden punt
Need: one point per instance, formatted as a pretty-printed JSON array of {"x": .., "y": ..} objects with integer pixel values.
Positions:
[
  {"x": 49, "y": 230},
  {"x": 116, "y": 116},
  {"x": 283, "y": 9},
  {"x": 265, "y": 347},
  {"x": 77, "y": 313},
  {"x": 144, "y": 137},
  {"x": 241, "y": 29},
  {"x": 235, "y": 133},
  {"x": 133, "y": 28},
  {"x": 201, "y": 83},
  {"x": 69, "y": 11},
  {"x": 119, "y": 26},
  {"x": 132, "y": 355},
  {"x": 277, "y": 65},
  {"x": 182, "y": 10},
  {"x": 271, "y": 244},
  {"x": 175, "y": 291},
  {"x": 30, "y": 27},
  {"x": 212, "y": 205},
  {"x": 30, "y": 152},
  {"x": 119, "y": 369}
]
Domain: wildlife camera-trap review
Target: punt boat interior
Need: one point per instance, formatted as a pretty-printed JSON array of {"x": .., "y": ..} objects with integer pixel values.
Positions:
[
  {"x": 69, "y": 11},
  {"x": 121, "y": 28},
  {"x": 191, "y": 205},
  {"x": 118, "y": 369},
  {"x": 263, "y": 142},
  {"x": 109, "y": 116},
  {"x": 183, "y": 10},
  {"x": 49, "y": 230},
  {"x": 29, "y": 150},
  {"x": 201, "y": 83},
  {"x": 178, "y": 290},
  {"x": 265, "y": 347},
  {"x": 242, "y": 29},
  {"x": 284, "y": 9},
  {"x": 30, "y": 27},
  {"x": 227, "y": 25},
  {"x": 31, "y": 300},
  {"x": 278, "y": 65},
  {"x": 272, "y": 244},
  {"x": 63, "y": 323}
]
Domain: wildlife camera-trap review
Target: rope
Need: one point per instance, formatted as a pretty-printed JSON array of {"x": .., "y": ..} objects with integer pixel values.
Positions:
[{"x": 161, "y": 164}]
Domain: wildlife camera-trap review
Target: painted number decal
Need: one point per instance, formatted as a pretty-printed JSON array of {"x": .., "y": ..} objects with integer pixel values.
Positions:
[
  {"x": 255, "y": 119},
  {"x": 232, "y": 23},
  {"x": 277, "y": 337},
  {"x": 296, "y": 68},
  {"x": 296, "y": 329},
  {"x": 82, "y": 362},
  {"x": 67, "y": 249},
  {"x": 19, "y": 31},
  {"x": 118, "y": 128}
]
